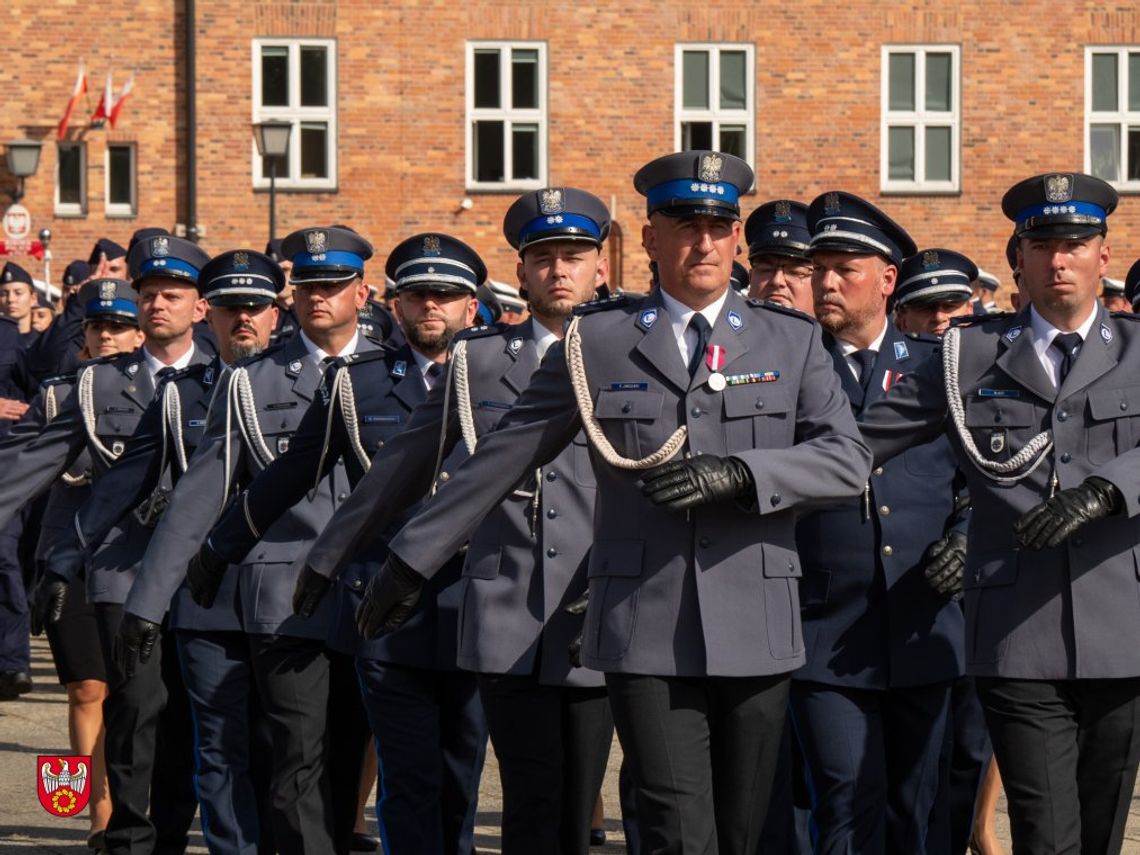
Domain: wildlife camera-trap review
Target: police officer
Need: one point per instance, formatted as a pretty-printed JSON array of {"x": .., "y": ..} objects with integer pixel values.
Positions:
[
  {"x": 693, "y": 609},
  {"x": 1039, "y": 409},
  {"x": 778, "y": 237},
  {"x": 883, "y": 648},
  {"x": 429, "y": 728},
  {"x": 239, "y": 287},
  {"x": 257, "y": 407},
  {"x": 1112, "y": 294},
  {"x": 932, "y": 292}
]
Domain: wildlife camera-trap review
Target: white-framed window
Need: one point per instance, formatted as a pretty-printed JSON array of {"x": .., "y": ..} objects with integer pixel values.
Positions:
[
  {"x": 714, "y": 98},
  {"x": 507, "y": 123},
  {"x": 70, "y": 179},
  {"x": 921, "y": 119},
  {"x": 294, "y": 80},
  {"x": 120, "y": 196},
  {"x": 1112, "y": 115}
]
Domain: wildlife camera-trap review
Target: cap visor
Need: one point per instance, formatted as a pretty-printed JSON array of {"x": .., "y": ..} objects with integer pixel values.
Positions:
[
  {"x": 756, "y": 250},
  {"x": 318, "y": 276},
  {"x": 442, "y": 287},
  {"x": 1063, "y": 231},
  {"x": 240, "y": 300},
  {"x": 119, "y": 317},
  {"x": 699, "y": 211}
]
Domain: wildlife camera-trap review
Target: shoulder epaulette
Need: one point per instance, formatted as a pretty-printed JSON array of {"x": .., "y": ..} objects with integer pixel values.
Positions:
[
  {"x": 249, "y": 360},
  {"x": 483, "y": 331},
  {"x": 975, "y": 320},
  {"x": 1126, "y": 316},
  {"x": 59, "y": 379},
  {"x": 100, "y": 360},
  {"x": 925, "y": 338},
  {"x": 189, "y": 371},
  {"x": 618, "y": 301},
  {"x": 779, "y": 307},
  {"x": 363, "y": 357}
]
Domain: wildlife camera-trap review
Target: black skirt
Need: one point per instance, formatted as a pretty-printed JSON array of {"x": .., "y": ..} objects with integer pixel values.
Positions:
[{"x": 74, "y": 639}]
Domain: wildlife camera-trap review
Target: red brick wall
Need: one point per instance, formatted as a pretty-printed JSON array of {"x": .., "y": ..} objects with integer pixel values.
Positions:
[{"x": 610, "y": 71}]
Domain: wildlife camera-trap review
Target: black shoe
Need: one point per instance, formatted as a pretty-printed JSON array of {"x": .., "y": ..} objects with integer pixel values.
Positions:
[
  {"x": 363, "y": 842},
  {"x": 13, "y": 684},
  {"x": 597, "y": 837}
]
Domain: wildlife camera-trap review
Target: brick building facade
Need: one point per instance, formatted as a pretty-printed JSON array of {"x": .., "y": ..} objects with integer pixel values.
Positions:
[{"x": 996, "y": 92}]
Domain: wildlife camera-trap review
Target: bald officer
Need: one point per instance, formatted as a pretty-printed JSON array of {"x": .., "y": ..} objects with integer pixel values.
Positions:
[
  {"x": 693, "y": 609},
  {"x": 1040, "y": 408}
]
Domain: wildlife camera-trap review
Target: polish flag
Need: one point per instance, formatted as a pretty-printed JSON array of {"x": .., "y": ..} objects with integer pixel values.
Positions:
[
  {"x": 80, "y": 89},
  {"x": 123, "y": 93},
  {"x": 106, "y": 101}
]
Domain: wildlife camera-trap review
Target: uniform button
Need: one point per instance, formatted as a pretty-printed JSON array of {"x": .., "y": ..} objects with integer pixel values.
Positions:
[
  {"x": 379, "y": 443},
  {"x": 551, "y": 476},
  {"x": 1066, "y": 457},
  {"x": 1078, "y": 542},
  {"x": 878, "y": 470},
  {"x": 997, "y": 417},
  {"x": 1063, "y": 416},
  {"x": 703, "y": 542},
  {"x": 775, "y": 499},
  {"x": 552, "y": 553},
  {"x": 1124, "y": 405},
  {"x": 627, "y": 407},
  {"x": 341, "y": 497},
  {"x": 885, "y": 510},
  {"x": 443, "y": 476},
  {"x": 355, "y": 584},
  {"x": 551, "y": 514},
  {"x": 888, "y": 550},
  {"x": 695, "y": 412},
  {"x": 759, "y": 405}
]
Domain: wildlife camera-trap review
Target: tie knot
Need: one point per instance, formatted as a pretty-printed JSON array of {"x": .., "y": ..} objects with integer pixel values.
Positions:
[
  {"x": 434, "y": 370},
  {"x": 701, "y": 324},
  {"x": 163, "y": 373},
  {"x": 1067, "y": 343}
]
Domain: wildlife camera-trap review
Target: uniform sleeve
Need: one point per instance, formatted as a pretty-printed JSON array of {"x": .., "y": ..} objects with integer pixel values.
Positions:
[
  {"x": 911, "y": 413},
  {"x": 56, "y": 350},
  {"x": 544, "y": 421},
  {"x": 281, "y": 485},
  {"x": 828, "y": 460},
  {"x": 400, "y": 474},
  {"x": 194, "y": 505}
]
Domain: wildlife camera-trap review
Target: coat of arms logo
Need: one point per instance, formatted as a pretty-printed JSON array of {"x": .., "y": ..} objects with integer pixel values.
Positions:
[
  {"x": 62, "y": 784},
  {"x": 711, "y": 165},
  {"x": 1058, "y": 188}
]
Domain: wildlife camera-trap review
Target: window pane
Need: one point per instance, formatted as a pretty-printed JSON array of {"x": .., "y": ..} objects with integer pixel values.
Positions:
[
  {"x": 314, "y": 150},
  {"x": 937, "y": 154},
  {"x": 119, "y": 175},
  {"x": 696, "y": 135},
  {"x": 1104, "y": 151},
  {"x": 70, "y": 176},
  {"x": 524, "y": 79},
  {"x": 488, "y": 154},
  {"x": 938, "y": 71},
  {"x": 1134, "y": 82},
  {"x": 733, "y": 80},
  {"x": 487, "y": 78},
  {"x": 314, "y": 76},
  {"x": 1134, "y": 154},
  {"x": 695, "y": 80},
  {"x": 900, "y": 154},
  {"x": 900, "y": 95},
  {"x": 524, "y": 151},
  {"x": 732, "y": 140},
  {"x": 1104, "y": 82},
  {"x": 267, "y": 164},
  {"x": 275, "y": 76}
]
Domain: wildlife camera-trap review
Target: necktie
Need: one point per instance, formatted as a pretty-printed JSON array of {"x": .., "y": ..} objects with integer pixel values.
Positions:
[
  {"x": 162, "y": 374},
  {"x": 866, "y": 360},
  {"x": 1069, "y": 346},
  {"x": 432, "y": 374},
  {"x": 700, "y": 324}
]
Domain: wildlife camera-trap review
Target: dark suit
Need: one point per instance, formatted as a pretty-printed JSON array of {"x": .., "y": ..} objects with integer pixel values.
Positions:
[
  {"x": 14, "y": 650},
  {"x": 1052, "y": 636}
]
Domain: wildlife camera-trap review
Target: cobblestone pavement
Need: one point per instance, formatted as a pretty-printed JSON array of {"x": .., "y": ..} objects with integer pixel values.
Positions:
[{"x": 37, "y": 723}]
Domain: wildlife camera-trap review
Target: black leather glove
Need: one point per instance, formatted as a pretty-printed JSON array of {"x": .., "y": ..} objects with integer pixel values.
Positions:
[
  {"x": 945, "y": 560},
  {"x": 204, "y": 575},
  {"x": 311, "y": 586},
  {"x": 133, "y": 643},
  {"x": 47, "y": 601},
  {"x": 578, "y": 607},
  {"x": 702, "y": 480},
  {"x": 389, "y": 598},
  {"x": 1058, "y": 518}
]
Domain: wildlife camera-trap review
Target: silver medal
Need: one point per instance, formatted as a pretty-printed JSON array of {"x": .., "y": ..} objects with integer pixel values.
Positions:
[{"x": 717, "y": 382}]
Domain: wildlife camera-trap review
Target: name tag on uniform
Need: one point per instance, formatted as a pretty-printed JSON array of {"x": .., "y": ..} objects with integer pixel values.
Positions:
[
  {"x": 629, "y": 387},
  {"x": 281, "y": 405},
  {"x": 381, "y": 420},
  {"x": 494, "y": 405},
  {"x": 196, "y": 423},
  {"x": 999, "y": 393}
]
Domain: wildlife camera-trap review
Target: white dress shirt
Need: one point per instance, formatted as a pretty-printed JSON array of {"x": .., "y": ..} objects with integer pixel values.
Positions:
[
  {"x": 1043, "y": 334},
  {"x": 849, "y": 349},
  {"x": 318, "y": 356},
  {"x": 679, "y": 317},
  {"x": 153, "y": 366},
  {"x": 543, "y": 338},
  {"x": 424, "y": 364}
]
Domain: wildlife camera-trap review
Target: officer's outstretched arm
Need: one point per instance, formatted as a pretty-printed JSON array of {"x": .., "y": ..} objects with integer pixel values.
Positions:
[{"x": 913, "y": 412}]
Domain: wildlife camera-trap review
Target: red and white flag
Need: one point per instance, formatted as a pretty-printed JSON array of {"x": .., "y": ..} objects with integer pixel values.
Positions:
[
  {"x": 123, "y": 93},
  {"x": 80, "y": 89},
  {"x": 106, "y": 101}
]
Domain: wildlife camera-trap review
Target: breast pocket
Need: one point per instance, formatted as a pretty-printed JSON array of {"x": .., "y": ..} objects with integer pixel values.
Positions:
[
  {"x": 114, "y": 427},
  {"x": 378, "y": 429},
  {"x": 630, "y": 419},
  {"x": 758, "y": 415},
  {"x": 1112, "y": 422},
  {"x": 1000, "y": 427},
  {"x": 278, "y": 422}
]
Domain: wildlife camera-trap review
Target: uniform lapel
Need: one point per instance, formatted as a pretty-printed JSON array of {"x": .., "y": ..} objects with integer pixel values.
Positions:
[
  {"x": 409, "y": 388},
  {"x": 726, "y": 333},
  {"x": 523, "y": 361},
  {"x": 846, "y": 378},
  {"x": 139, "y": 387},
  {"x": 893, "y": 355},
  {"x": 1098, "y": 354},
  {"x": 1019, "y": 358},
  {"x": 657, "y": 343},
  {"x": 299, "y": 365}
]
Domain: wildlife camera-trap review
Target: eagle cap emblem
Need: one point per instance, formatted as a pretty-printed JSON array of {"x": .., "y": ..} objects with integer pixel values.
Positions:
[
  {"x": 550, "y": 201},
  {"x": 431, "y": 245},
  {"x": 241, "y": 261},
  {"x": 160, "y": 247},
  {"x": 831, "y": 205},
  {"x": 783, "y": 212},
  {"x": 106, "y": 290},
  {"x": 316, "y": 242},
  {"x": 1058, "y": 188},
  {"x": 711, "y": 166},
  {"x": 930, "y": 260}
]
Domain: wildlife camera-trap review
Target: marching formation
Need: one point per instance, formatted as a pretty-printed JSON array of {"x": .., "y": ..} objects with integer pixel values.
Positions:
[{"x": 838, "y": 554}]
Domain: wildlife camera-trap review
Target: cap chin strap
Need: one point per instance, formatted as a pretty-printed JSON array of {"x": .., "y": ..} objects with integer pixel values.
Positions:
[
  {"x": 1032, "y": 454},
  {"x": 581, "y": 385}
]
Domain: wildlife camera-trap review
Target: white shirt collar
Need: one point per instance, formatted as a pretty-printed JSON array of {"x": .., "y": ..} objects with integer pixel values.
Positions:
[
  {"x": 317, "y": 355},
  {"x": 1043, "y": 334},
  {"x": 543, "y": 338},
  {"x": 848, "y": 348},
  {"x": 423, "y": 363},
  {"x": 154, "y": 366},
  {"x": 680, "y": 315}
]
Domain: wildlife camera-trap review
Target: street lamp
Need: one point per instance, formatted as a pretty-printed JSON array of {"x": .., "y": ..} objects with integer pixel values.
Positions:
[
  {"x": 272, "y": 140},
  {"x": 23, "y": 158}
]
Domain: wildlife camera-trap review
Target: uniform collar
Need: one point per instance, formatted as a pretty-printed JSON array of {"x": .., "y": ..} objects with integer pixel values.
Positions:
[
  {"x": 543, "y": 338},
  {"x": 848, "y": 348},
  {"x": 680, "y": 314},
  {"x": 154, "y": 366},
  {"x": 317, "y": 355},
  {"x": 1044, "y": 332}
]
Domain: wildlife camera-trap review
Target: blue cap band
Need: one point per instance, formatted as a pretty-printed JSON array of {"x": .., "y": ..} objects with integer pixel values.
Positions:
[
  {"x": 332, "y": 258},
  {"x": 689, "y": 190},
  {"x": 119, "y": 306},
  {"x": 1048, "y": 210},
  {"x": 167, "y": 265},
  {"x": 559, "y": 223}
]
